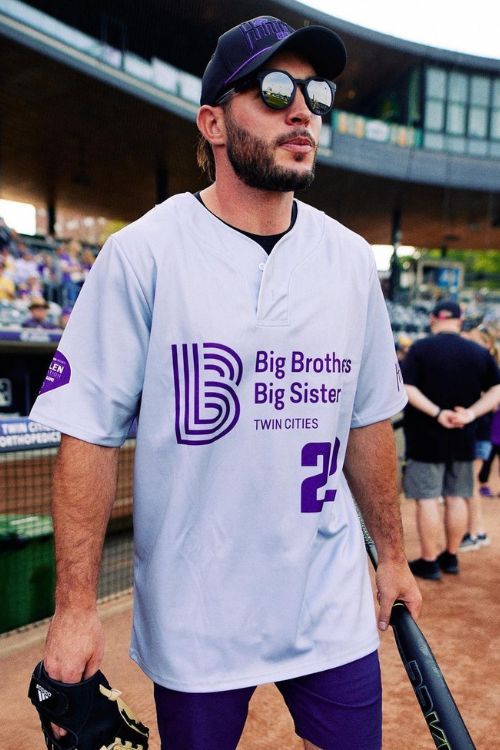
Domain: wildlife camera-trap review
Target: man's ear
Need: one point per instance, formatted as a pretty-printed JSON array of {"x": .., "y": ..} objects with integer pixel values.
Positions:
[{"x": 210, "y": 121}]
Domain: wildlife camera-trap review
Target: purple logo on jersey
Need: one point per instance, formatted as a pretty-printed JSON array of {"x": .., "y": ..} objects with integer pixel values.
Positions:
[
  {"x": 58, "y": 374},
  {"x": 206, "y": 404}
]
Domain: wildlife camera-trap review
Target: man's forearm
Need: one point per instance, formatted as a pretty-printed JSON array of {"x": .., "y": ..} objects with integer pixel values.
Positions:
[
  {"x": 370, "y": 469},
  {"x": 421, "y": 402},
  {"x": 84, "y": 488},
  {"x": 489, "y": 401}
]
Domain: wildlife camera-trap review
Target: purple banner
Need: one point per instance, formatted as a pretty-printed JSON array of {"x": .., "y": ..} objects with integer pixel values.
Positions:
[{"x": 31, "y": 335}]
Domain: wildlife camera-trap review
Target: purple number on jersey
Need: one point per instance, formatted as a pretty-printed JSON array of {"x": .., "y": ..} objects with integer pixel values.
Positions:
[{"x": 310, "y": 486}]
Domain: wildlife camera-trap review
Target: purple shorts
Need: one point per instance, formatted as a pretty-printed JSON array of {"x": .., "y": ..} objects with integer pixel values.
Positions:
[{"x": 338, "y": 709}]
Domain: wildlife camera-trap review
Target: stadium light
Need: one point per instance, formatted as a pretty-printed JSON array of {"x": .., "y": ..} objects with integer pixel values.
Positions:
[{"x": 19, "y": 216}]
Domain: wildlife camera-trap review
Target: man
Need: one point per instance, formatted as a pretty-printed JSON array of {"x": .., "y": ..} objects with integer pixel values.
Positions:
[
  {"x": 444, "y": 375},
  {"x": 38, "y": 319},
  {"x": 7, "y": 286},
  {"x": 248, "y": 332}
]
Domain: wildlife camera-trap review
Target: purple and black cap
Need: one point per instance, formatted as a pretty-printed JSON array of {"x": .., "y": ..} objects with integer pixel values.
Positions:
[{"x": 245, "y": 48}]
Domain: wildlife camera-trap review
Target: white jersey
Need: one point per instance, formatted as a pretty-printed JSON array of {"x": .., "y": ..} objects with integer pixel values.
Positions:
[{"x": 247, "y": 372}]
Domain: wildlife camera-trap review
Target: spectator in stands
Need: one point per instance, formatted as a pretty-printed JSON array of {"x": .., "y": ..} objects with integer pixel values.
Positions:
[
  {"x": 9, "y": 261},
  {"x": 64, "y": 317},
  {"x": 71, "y": 271},
  {"x": 38, "y": 309},
  {"x": 7, "y": 286},
  {"x": 443, "y": 372},
  {"x": 32, "y": 288},
  {"x": 88, "y": 259},
  {"x": 51, "y": 277},
  {"x": 25, "y": 266}
]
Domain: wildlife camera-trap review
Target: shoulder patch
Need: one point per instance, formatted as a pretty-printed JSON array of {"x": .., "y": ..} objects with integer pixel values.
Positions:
[{"x": 58, "y": 374}]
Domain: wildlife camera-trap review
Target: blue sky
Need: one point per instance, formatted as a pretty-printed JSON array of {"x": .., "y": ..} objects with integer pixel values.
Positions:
[{"x": 472, "y": 27}]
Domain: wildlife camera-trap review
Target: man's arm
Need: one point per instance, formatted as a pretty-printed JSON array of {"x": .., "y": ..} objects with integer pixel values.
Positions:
[
  {"x": 445, "y": 417},
  {"x": 84, "y": 488},
  {"x": 489, "y": 401},
  {"x": 370, "y": 469}
]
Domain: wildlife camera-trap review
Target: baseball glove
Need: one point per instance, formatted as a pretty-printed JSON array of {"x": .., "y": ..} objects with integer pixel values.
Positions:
[{"x": 91, "y": 712}]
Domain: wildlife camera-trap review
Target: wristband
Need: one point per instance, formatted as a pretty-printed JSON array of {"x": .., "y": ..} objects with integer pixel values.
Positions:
[{"x": 437, "y": 415}]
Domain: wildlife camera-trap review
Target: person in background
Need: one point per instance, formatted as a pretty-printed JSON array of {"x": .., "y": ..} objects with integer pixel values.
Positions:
[
  {"x": 7, "y": 286},
  {"x": 38, "y": 309},
  {"x": 88, "y": 260},
  {"x": 444, "y": 375},
  {"x": 476, "y": 535},
  {"x": 25, "y": 266},
  {"x": 9, "y": 261},
  {"x": 402, "y": 346},
  {"x": 51, "y": 277},
  {"x": 484, "y": 473},
  {"x": 64, "y": 317}
]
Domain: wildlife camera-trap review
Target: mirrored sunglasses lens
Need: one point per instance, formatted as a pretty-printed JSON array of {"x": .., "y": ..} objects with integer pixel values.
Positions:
[
  {"x": 320, "y": 97},
  {"x": 277, "y": 90}
]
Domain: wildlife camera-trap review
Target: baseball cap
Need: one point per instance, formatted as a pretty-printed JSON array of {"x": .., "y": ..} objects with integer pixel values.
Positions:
[
  {"x": 447, "y": 309},
  {"x": 245, "y": 48}
]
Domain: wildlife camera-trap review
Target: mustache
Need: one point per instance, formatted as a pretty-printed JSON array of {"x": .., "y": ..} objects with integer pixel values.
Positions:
[{"x": 298, "y": 133}]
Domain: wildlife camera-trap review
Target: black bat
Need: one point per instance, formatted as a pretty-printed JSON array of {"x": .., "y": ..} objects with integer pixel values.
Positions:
[{"x": 436, "y": 702}]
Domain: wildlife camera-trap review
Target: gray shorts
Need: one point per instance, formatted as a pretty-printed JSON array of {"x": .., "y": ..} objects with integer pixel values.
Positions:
[{"x": 422, "y": 480}]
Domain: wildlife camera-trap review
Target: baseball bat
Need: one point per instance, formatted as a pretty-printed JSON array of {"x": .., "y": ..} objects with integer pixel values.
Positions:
[{"x": 436, "y": 702}]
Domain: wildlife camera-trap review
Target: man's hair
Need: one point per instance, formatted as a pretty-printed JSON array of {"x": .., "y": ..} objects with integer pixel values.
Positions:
[
  {"x": 204, "y": 151},
  {"x": 205, "y": 158}
]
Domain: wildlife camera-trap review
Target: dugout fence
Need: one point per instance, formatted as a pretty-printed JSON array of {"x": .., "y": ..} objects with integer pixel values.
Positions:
[{"x": 27, "y": 455}]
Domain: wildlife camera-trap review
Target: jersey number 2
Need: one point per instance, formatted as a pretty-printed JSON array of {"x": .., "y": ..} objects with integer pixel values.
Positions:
[{"x": 311, "y": 453}]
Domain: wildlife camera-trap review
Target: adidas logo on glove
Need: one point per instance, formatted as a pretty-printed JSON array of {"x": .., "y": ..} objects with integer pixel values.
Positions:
[{"x": 42, "y": 693}]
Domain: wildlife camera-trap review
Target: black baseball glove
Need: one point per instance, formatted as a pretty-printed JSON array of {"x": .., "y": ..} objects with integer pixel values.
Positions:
[{"x": 91, "y": 712}]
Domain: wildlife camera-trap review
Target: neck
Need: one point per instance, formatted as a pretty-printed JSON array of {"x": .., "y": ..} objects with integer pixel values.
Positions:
[
  {"x": 446, "y": 326},
  {"x": 257, "y": 211}
]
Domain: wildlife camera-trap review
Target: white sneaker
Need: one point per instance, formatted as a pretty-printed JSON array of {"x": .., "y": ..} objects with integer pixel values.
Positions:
[
  {"x": 483, "y": 540},
  {"x": 469, "y": 542}
]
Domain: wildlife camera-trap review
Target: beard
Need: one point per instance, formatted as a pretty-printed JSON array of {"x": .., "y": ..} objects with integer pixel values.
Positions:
[{"x": 253, "y": 161}]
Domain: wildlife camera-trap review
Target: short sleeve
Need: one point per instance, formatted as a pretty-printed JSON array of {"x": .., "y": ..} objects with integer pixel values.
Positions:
[
  {"x": 94, "y": 382},
  {"x": 409, "y": 367},
  {"x": 380, "y": 392}
]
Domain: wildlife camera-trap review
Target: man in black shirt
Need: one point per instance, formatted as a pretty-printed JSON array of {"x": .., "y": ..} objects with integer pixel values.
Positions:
[{"x": 445, "y": 376}]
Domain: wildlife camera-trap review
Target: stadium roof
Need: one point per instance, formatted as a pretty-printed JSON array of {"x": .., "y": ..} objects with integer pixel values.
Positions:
[{"x": 82, "y": 142}]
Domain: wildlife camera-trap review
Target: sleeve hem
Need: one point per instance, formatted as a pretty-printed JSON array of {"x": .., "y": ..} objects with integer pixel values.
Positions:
[
  {"x": 378, "y": 417},
  {"x": 111, "y": 441}
]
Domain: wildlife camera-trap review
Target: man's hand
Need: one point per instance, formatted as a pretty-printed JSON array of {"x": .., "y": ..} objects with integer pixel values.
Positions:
[
  {"x": 74, "y": 648},
  {"x": 449, "y": 419},
  {"x": 395, "y": 581},
  {"x": 462, "y": 416}
]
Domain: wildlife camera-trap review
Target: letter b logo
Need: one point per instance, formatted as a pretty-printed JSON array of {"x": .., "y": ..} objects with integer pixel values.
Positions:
[{"x": 206, "y": 404}]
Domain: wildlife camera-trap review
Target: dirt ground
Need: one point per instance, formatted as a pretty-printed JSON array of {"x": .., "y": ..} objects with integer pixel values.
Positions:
[{"x": 461, "y": 620}]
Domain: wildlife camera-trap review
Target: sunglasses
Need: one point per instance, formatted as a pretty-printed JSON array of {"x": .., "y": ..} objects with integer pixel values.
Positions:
[{"x": 278, "y": 88}]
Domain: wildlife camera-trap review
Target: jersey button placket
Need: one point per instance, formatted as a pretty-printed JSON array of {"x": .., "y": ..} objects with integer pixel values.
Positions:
[{"x": 272, "y": 308}]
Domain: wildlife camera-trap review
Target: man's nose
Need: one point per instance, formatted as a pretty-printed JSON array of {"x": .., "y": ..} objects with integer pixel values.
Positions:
[{"x": 298, "y": 112}]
